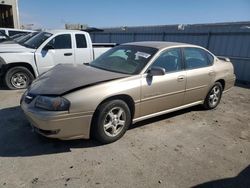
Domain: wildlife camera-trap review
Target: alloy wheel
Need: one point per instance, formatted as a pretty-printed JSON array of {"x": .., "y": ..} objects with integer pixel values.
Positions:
[
  {"x": 214, "y": 96},
  {"x": 114, "y": 121}
]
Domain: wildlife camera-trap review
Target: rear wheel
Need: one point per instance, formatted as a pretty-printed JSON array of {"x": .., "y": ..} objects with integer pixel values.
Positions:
[
  {"x": 18, "y": 78},
  {"x": 213, "y": 97},
  {"x": 111, "y": 121}
]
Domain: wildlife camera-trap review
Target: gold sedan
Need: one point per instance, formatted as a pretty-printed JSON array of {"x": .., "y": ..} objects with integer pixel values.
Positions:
[{"x": 127, "y": 84}]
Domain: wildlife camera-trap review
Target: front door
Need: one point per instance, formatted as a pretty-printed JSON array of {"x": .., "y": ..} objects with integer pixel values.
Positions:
[
  {"x": 164, "y": 92},
  {"x": 57, "y": 51}
]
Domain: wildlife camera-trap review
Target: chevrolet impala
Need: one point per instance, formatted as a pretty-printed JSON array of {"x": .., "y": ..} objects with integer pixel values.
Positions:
[{"x": 127, "y": 84}]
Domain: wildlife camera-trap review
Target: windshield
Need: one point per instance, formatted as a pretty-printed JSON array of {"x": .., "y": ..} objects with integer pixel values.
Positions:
[
  {"x": 127, "y": 59},
  {"x": 37, "y": 40},
  {"x": 24, "y": 38},
  {"x": 17, "y": 36}
]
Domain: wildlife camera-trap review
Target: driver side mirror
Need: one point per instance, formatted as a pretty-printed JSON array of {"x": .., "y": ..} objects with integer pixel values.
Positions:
[
  {"x": 48, "y": 47},
  {"x": 156, "y": 71}
]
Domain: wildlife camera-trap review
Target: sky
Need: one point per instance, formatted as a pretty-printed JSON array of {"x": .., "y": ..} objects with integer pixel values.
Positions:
[{"x": 52, "y": 14}]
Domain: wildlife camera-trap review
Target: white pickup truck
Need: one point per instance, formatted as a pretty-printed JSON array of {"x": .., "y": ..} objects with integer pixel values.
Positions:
[{"x": 21, "y": 63}]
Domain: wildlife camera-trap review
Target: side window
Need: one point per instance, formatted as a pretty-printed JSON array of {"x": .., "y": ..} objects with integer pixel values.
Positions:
[
  {"x": 196, "y": 58},
  {"x": 61, "y": 42},
  {"x": 81, "y": 41},
  {"x": 170, "y": 60}
]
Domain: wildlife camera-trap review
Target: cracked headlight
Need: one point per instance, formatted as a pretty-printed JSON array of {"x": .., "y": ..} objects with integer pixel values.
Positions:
[{"x": 52, "y": 103}]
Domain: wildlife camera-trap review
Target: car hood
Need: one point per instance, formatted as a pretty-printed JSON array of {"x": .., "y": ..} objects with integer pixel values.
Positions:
[
  {"x": 14, "y": 48},
  {"x": 65, "y": 78}
]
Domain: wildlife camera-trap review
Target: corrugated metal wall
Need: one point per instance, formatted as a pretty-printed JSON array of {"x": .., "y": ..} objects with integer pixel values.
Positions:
[{"x": 224, "y": 39}]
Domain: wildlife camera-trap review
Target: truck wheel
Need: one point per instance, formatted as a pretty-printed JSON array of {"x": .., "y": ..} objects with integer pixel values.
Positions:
[
  {"x": 213, "y": 97},
  {"x": 111, "y": 121},
  {"x": 18, "y": 78}
]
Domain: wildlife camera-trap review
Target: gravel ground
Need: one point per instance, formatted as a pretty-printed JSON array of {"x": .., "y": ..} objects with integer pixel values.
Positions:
[{"x": 189, "y": 148}]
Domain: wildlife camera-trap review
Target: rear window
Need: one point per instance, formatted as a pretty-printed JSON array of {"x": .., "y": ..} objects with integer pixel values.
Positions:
[
  {"x": 2, "y": 36},
  {"x": 13, "y": 32},
  {"x": 2, "y": 32},
  {"x": 81, "y": 41}
]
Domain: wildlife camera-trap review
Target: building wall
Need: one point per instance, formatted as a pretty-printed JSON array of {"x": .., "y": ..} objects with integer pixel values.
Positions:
[
  {"x": 224, "y": 39},
  {"x": 15, "y": 12}
]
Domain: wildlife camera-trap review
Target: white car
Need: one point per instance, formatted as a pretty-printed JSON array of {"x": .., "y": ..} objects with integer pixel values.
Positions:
[
  {"x": 5, "y": 32},
  {"x": 21, "y": 63}
]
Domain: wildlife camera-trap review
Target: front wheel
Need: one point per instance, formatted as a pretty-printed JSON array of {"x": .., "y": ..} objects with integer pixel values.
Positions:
[
  {"x": 111, "y": 121},
  {"x": 18, "y": 78},
  {"x": 213, "y": 97}
]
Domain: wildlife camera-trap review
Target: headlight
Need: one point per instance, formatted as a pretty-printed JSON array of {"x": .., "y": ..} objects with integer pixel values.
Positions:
[
  {"x": 52, "y": 103},
  {"x": 23, "y": 96}
]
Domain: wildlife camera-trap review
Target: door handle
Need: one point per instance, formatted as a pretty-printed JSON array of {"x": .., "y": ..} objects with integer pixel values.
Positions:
[
  {"x": 211, "y": 73},
  {"x": 180, "y": 78},
  {"x": 68, "y": 54}
]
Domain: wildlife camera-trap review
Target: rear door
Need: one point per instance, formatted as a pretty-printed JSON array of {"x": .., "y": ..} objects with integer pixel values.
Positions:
[
  {"x": 83, "y": 53},
  {"x": 164, "y": 92},
  {"x": 200, "y": 73},
  {"x": 61, "y": 52}
]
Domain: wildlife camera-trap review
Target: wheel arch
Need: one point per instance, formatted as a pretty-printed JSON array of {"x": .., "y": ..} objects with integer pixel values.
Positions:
[
  {"x": 222, "y": 82},
  {"x": 20, "y": 64},
  {"x": 124, "y": 97}
]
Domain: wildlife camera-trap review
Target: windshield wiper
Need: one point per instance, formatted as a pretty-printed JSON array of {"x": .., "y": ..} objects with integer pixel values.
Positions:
[{"x": 102, "y": 68}]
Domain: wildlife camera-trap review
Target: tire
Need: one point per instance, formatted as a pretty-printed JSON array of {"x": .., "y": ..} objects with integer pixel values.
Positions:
[
  {"x": 111, "y": 121},
  {"x": 213, "y": 97},
  {"x": 18, "y": 78}
]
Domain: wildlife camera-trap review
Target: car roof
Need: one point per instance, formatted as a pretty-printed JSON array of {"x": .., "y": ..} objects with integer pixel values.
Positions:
[
  {"x": 56, "y": 31},
  {"x": 13, "y": 29},
  {"x": 159, "y": 44}
]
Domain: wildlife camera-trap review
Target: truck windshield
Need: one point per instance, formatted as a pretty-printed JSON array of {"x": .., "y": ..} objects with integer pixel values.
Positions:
[
  {"x": 19, "y": 38},
  {"x": 24, "y": 38},
  {"x": 126, "y": 59},
  {"x": 37, "y": 40}
]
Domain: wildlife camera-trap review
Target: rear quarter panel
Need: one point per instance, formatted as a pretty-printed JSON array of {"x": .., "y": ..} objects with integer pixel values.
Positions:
[{"x": 224, "y": 71}]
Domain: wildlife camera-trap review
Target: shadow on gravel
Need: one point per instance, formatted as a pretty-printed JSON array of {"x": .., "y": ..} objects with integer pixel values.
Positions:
[
  {"x": 240, "y": 181},
  {"x": 17, "y": 138},
  {"x": 243, "y": 84}
]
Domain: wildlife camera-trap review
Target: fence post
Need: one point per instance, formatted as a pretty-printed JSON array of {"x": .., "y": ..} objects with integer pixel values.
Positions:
[
  {"x": 109, "y": 37},
  {"x": 134, "y": 36},
  {"x": 163, "y": 36},
  {"x": 208, "y": 39}
]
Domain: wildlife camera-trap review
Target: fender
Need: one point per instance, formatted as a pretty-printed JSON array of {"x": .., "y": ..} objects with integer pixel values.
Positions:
[
  {"x": 26, "y": 59},
  {"x": 2, "y": 66}
]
